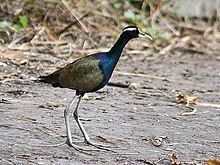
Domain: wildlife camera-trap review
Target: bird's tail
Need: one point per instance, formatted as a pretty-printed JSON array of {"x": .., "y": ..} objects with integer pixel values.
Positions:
[{"x": 52, "y": 79}]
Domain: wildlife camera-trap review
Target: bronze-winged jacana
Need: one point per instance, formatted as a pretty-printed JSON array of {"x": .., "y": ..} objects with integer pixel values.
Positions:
[{"x": 89, "y": 74}]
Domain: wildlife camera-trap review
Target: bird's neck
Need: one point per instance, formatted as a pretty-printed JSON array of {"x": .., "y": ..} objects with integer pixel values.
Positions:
[{"x": 116, "y": 50}]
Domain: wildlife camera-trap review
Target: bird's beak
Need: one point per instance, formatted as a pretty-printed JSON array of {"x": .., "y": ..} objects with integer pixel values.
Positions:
[{"x": 143, "y": 35}]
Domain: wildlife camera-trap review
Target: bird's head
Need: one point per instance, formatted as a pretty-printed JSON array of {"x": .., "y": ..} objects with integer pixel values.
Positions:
[{"x": 134, "y": 32}]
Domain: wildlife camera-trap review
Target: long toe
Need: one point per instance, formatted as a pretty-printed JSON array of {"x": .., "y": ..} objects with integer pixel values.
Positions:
[
  {"x": 80, "y": 148},
  {"x": 101, "y": 146},
  {"x": 53, "y": 145},
  {"x": 49, "y": 145}
]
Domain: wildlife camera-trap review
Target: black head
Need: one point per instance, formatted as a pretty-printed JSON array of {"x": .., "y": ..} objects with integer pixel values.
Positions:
[{"x": 134, "y": 32}]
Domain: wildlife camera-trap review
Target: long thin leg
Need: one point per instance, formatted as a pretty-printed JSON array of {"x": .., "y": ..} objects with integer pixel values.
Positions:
[
  {"x": 85, "y": 135},
  {"x": 66, "y": 116},
  {"x": 76, "y": 117}
]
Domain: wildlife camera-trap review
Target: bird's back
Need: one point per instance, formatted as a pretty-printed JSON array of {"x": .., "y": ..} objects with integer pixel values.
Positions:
[{"x": 84, "y": 75}]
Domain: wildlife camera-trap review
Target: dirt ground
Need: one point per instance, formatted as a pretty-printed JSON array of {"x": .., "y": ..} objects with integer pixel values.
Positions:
[{"x": 31, "y": 115}]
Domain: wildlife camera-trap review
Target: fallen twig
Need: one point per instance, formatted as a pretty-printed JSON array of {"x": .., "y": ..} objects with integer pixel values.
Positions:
[
  {"x": 189, "y": 113},
  {"x": 58, "y": 33},
  {"x": 160, "y": 78},
  {"x": 37, "y": 42},
  {"x": 120, "y": 85},
  {"x": 209, "y": 105},
  {"x": 65, "y": 3}
]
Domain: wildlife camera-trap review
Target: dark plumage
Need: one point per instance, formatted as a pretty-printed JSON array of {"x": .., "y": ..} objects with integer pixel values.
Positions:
[{"x": 89, "y": 74}]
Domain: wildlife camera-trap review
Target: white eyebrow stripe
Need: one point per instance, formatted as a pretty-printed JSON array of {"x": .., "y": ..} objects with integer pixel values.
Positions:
[{"x": 129, "y": 29}]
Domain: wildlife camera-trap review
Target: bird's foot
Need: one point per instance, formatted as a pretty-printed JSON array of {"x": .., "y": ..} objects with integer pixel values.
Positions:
[
  {"x": 79, "y": 148},
  {"x": 100, "y": 146}
]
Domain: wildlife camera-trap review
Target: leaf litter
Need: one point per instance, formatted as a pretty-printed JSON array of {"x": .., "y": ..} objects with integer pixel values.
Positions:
[{"x": 59, "y": 49}]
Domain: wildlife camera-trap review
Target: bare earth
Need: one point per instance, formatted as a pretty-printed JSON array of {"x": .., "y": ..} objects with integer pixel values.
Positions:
[{"x": 121, "y": 117}]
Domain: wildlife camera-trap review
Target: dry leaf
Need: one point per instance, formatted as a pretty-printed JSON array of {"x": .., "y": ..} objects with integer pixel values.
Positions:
[
  {"x": 2, "y": 64},
  {"x": 213, "y": 162},
  {"x": 180, "y": 98},
  {"x": 135, "y": 109},
  {"x": 191, "y": 100},
  {"x": 174, "y": 159},
  {"x": 184, "y": 99},
  {"x": 87, "y": 97},
  {"x": 157, "y": 141},
  {"x": 49, "y": 105},
  {"x": 134, "y": 86}
]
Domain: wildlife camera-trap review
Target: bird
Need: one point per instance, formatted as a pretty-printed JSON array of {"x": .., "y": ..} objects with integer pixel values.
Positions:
[{"x": 89, "y": 74}]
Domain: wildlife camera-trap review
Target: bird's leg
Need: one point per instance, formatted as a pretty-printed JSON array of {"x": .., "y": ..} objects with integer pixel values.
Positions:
[
  {"x": 76, "y": 117},
  {"x": 66, "y": 116},
  {"x": 85, "y": 135}
]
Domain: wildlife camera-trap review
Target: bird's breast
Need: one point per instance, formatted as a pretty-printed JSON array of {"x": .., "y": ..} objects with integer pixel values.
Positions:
[{"x": 107, "y": 66}]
